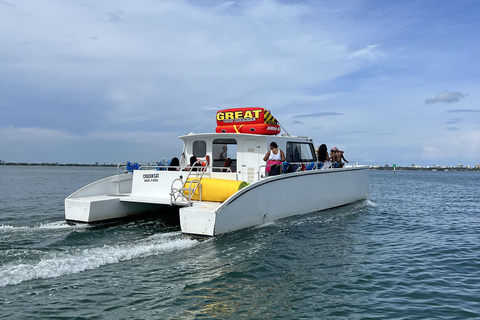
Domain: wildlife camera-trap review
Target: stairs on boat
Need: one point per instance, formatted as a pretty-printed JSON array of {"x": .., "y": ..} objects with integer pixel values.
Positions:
[{"x": 185, "y": 192}]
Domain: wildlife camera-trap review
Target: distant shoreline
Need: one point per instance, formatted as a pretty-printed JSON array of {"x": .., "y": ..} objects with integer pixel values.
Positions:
[
  {"x": 114, "y": 165},
  {"x": 425, "y": 169},
  {"x": 56, "y": 164}
]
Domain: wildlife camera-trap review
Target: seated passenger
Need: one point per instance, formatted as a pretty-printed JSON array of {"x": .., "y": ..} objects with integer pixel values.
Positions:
[
  {"x": 337, "y": 157},
  {"x": 323, "y": 157},
  {"x": 227, "y": 165},
  {"x": 274, "y": 158},
  {"x": 193, "y": 164},
  {"x": 174, "y": 165}
]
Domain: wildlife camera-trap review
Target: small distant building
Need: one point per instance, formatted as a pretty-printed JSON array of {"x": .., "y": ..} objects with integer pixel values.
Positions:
[
  {"x": 477, "y": 166},
  {"x": 2, "y": 161}
]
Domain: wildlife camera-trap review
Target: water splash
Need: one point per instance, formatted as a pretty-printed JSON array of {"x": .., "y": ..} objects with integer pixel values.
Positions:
[
  {"x": 56, "y": 264},
  {"x": 56, "y": 225},
  {"x": 371, "y": 204}
]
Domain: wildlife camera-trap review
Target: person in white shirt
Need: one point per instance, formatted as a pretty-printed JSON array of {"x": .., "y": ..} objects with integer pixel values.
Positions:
[{"x": 274, "y": 157}]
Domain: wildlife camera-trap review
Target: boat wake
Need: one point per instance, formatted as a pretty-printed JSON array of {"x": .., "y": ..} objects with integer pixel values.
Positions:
[
  {"x": 49, "y": 226},
  {"x": 54, "y": 264}
]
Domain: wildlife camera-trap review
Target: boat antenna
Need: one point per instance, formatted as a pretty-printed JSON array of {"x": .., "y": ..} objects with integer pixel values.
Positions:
[
  {"x": 288, "y": 134},
  {"x": 202, "y": 124},
  {"x": 205, "y": 122}
]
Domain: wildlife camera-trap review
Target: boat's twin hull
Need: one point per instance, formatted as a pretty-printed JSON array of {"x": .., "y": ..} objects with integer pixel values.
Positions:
[
  {"x": 263, "y": 201},
  {"x": 112, "y": 198},
  {"x": 278, "y": 197},
  {"x": 103, "y": 208}
]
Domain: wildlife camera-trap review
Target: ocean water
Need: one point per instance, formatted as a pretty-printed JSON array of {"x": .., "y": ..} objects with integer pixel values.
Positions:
[{"x": 409, "y": 251}]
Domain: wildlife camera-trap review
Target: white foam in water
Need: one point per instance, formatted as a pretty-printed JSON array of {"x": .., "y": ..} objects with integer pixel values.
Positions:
[
  {"x": 57, "y": 264},
  {"x": 371, "y": 203},
  {"x": 57, "y": 225},
  {"x": 60, "y": 225},
  {"x": 7, "y": 227},
  {"x": 265, "y": 224}
]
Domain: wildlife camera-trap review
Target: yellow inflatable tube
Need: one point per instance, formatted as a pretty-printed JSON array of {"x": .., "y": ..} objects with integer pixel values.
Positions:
[{"x": 217, "y": 190}]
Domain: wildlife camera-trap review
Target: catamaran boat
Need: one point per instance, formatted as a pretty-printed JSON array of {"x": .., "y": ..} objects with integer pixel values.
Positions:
[{"x": 228, "y": 186}]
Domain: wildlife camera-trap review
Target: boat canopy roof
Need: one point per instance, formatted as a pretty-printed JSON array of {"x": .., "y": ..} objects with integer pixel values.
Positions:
[{"x": 243, "y": 137}]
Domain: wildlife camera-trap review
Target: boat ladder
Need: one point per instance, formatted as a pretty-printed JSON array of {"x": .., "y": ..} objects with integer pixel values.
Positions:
[{"x": 185, "y": 191}]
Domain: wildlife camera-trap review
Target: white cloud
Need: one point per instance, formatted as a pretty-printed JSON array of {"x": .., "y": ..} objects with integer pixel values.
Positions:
[
  {"x": 107, "y": 74},
  {"x": 32, "y": 134},
  {"x": 464, "y": 111},
  {"x": 6, "y": 3},
  {"x": 370, "y": 52},
  {"x": 319, "y": 114},
  {"x": 458, "y": 143},
  {"x": 447, "y": 97}
]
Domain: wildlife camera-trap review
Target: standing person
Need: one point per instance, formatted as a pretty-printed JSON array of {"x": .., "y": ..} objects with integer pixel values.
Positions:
[
  {"x": 323, "y": 157},
  {"x": 223, "y": 154},
  {"x": 274, "y": 158},
  {"x": 337, "y": 157}
]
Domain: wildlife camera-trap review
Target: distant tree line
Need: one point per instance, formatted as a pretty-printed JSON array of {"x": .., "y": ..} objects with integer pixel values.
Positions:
[
  {"x": 45, "y": 164},
  {"x": 416, "y": 168}
]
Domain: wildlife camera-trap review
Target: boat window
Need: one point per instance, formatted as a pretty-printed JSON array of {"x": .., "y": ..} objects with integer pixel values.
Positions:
[
  {"x": 300, "y": 152},
  {"x": 223, "y": 149},
  {"x": 199, "y": 148}
]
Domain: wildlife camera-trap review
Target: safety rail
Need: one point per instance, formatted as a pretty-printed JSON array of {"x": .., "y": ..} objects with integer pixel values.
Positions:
[
  {"x": 193, "y": 185},
  {"x": 265, "y": 166},
  {"x": 177, "y": 193},
  {"x": 221, "y": 169},
  {"x": 130, "y": 167},
  {"x": 120, "y": 165},
  {"x": 118, "y": 179},
  {"x": 204, "y": 169},
  {"x": 301, "y": 167}
]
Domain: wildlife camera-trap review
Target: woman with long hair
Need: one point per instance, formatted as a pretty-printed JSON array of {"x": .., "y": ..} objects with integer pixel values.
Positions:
[{"x": 323, "y": 157}]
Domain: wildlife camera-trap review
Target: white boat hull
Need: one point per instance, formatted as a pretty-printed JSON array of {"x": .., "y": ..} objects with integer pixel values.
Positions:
[
  {"x": 103, "y": 200},
  {"x": 154, "y": 188},
  {"x": 278, "y": 197}
]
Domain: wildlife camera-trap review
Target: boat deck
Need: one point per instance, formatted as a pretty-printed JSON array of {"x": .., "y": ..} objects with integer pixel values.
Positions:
[
  {"x": 152, "y": 200},
  {"x": 198, "y": 205},
  {"x": 203, "y": 206}
]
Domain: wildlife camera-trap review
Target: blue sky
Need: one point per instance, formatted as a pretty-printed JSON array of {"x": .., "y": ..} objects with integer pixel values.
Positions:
[{"x": 111, "y": 81}]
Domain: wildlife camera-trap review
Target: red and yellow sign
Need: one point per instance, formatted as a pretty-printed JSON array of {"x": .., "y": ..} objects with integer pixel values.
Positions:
[{"x": 247, "y": 120}]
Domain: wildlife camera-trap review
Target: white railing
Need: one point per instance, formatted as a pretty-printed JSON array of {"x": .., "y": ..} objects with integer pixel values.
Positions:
[
  {"x": 177, "y": 193},
  {"x": 150, "y": 166},
  {"x": 300, "y": 164},
  {"x": 121, "y": 165}
]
